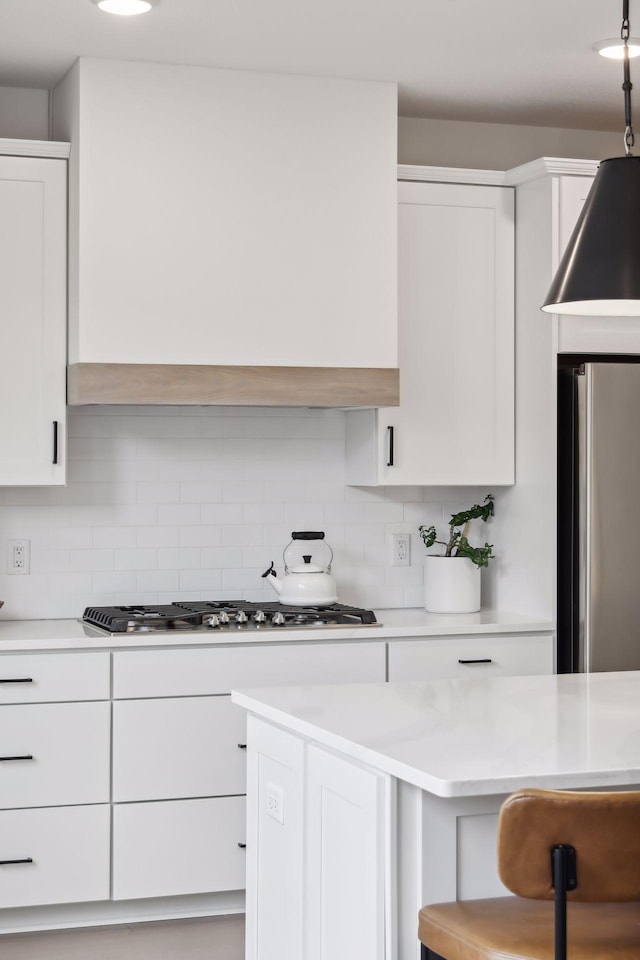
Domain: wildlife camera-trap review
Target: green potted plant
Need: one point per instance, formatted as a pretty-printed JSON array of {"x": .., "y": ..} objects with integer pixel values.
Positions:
[{"x": 452, "y": 578}]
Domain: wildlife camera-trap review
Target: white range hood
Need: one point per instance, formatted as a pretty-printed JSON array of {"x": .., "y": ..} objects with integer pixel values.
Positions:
[{"x": 232, "y": 236}]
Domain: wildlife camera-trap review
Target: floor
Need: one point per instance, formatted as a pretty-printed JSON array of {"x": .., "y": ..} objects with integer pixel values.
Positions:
[{"x": 217, "y": 938}]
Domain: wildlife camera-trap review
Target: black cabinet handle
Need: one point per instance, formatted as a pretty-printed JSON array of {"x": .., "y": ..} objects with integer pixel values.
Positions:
[
  {"x": 6, "y": 863},
  {"x": 390, "y": 434},
  {"x": 55, "y": 441},
  {"x": 242, "y": 746},
  {"x": 26, "y": 756},
  {"x": 242, "y": 846},
  {"x": 18, "y": 680},
  {"x": 481, "y": 660}
]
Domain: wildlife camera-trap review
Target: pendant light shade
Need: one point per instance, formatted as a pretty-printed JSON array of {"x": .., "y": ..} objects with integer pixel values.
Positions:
[{"x": 599, "y": 274}]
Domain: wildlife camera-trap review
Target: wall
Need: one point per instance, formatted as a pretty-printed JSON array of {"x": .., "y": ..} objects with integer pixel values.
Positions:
[
  {"x": 194, "y": 503},
  {"x": 496, "y": 146},
  {"x": 24, "y": 114}
]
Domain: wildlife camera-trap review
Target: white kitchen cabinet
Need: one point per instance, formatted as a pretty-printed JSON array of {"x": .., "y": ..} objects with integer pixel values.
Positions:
[
  {"x": 178, "y": 747},
  {"x": 66, "y": 850},
  {"x": 177, "y": 737},
  {"x": 65, "y": 751},
  {"x": 319, "y": 852},
  {"x": 33, "y": 244},
  {"x": 215, "y": 231},
  {"x": 178, "y": 847},
  {"x": 455, "y": 422},
  {"x": 347, "y": 867},
  {"x": 450, "y": 657},
  {"x": 55, "y": 776}
]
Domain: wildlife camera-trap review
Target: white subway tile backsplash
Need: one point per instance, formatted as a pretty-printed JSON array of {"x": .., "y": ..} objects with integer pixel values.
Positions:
[
  {"x": 91, "y": 559},
  {"x": 136, "y": 559},
  {"x": 115, "y": 537},
  {"x": 172, "y": 503},
  {"x": 72, "y": 538},
  {"x": 221, "y": 557},
  {"x": 200, "y": 536},
  {"x": 213, "y": 513},
  {"x": 158, "y": 492},
  {"x": 200, "y": 492},
  {"x": 158, "y": 580},
  {"x": 117, "y": 583},
  {"x": 158, "y": 536},
  {"x": 180, "y": 558},
  {"x": 179, "y": 515}
]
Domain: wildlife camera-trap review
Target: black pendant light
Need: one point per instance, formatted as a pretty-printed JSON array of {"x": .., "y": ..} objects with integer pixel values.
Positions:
[{"x": 599, "y": 274}]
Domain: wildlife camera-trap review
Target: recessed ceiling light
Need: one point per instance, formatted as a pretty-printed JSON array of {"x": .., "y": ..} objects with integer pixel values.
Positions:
[
  {"x": 613, "y": 49},
  {"x": 125, "y": 8}
]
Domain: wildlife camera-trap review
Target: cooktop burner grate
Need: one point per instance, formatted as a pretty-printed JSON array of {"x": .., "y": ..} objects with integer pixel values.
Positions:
[{"x": 204, "y": 615}]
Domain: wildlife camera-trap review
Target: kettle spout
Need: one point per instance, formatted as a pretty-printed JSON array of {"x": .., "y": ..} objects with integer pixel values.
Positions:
[{"x": 273, "y": 578}]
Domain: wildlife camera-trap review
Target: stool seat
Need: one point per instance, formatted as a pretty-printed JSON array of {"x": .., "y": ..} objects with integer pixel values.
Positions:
[{"x": 509, "y": 928}]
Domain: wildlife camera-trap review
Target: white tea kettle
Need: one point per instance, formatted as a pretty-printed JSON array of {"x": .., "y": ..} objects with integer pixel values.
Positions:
[{"x": 305, "y": 583}]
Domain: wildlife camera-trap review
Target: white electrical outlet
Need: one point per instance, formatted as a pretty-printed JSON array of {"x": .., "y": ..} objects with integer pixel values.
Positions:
[
  {"x": 400, "y": 549},
  {"x": 275, "y": 802},
  {"x": 18, "y": 557}
]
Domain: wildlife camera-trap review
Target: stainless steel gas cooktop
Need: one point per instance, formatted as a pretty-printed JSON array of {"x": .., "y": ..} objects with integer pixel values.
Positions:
[{"x": 223, "y": 615}]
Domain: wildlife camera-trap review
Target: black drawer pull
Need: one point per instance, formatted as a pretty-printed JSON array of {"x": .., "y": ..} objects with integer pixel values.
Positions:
[
  {"x": 6, "y": 863},
  {"x": 26, "y": 756},
  {"x": 18, "y": 680},
  {"x": 55, "y": 441},
  {"x": 242, "y": 746},
  {"x": 390, "y": 435},
  {"x": 242, "y": 846},
  {"x": 481, "y": 660}
]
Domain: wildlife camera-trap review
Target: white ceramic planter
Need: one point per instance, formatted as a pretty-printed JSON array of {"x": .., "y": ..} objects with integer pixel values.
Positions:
[{"x": 451, "y": 585}]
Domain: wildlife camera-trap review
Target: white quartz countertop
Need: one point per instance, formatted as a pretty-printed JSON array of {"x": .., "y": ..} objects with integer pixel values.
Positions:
[
  {"x": 477, "y": 735},
  {"x": 31, "y": 635}
]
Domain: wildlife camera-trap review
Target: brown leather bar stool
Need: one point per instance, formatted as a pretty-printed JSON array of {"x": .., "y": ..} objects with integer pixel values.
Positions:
[{"x": 573, "y": 861}]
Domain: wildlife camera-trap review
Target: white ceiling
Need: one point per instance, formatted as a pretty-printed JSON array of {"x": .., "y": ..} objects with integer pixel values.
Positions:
[{"x": 511, "y": 61}]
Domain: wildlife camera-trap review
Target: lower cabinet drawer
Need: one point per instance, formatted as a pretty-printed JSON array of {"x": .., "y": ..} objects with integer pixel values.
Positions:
[
  {"x": 445, "y": 659},
  {"x": 54, "y": 753},
  {"x": 68, "y": 850},
  {"x": 178, "y": 847},
  {"x": 182, "y": 747}
]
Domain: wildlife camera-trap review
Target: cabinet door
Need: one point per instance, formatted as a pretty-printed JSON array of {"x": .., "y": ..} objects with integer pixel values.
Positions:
[
  {"x": 54, "y": 753},
  {"x": 455, "y": 422},
  {"x": 33, "y": 310},
  {"x": 178, "y": 747},
  {"x": 178, "y": 847},
  {"x": 452, "y": 657},
  {"x": 346, "y": 866},
  {"x": 54, "y": 855}
]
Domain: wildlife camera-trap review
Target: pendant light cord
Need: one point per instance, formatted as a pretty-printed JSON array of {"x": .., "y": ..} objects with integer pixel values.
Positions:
[{"x": 627, "y": 86}]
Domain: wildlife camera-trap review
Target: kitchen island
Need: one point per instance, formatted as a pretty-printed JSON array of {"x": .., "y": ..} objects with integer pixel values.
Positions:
[{"x": 367, "y": 801}]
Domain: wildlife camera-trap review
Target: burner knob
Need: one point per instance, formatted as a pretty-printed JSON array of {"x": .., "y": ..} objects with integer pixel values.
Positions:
[
  {"x": 277, "y": 619},
  {"x": 224, "y": 616},
  {"x": 213, "y": 620},
  {"x": 259, "y": 616},
  {"x": 241, "y": 617}
]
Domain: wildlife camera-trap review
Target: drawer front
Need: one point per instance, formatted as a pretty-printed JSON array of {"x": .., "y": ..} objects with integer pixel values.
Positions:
[
  {"x": 440, "y": 659},
  {"x": 183, "y": 747},
  {"x": 69, "y": 747},
  {"x": 162, "y": 673},
  {"x": 178, "y": 847},
  {"x": 69, "y": 850},
  {"x": 45, "y": 677}
]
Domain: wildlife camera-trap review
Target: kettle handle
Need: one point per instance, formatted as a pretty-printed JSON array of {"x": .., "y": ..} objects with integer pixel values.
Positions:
[{"x": 308, "y": 535}]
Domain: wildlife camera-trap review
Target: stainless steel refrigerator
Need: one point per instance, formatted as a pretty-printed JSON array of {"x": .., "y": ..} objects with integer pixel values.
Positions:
[{"x": 599, "y": 515}]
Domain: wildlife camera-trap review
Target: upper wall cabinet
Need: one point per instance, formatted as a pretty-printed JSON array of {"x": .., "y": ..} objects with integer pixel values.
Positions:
[
  {"x": 455, "y": 422},
  {"x": 232, "y": 236},
  {"x": 33, "y": 245}
]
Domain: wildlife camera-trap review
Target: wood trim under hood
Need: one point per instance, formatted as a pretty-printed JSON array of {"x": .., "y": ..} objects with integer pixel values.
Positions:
[{"x": 255, "y": 386}]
